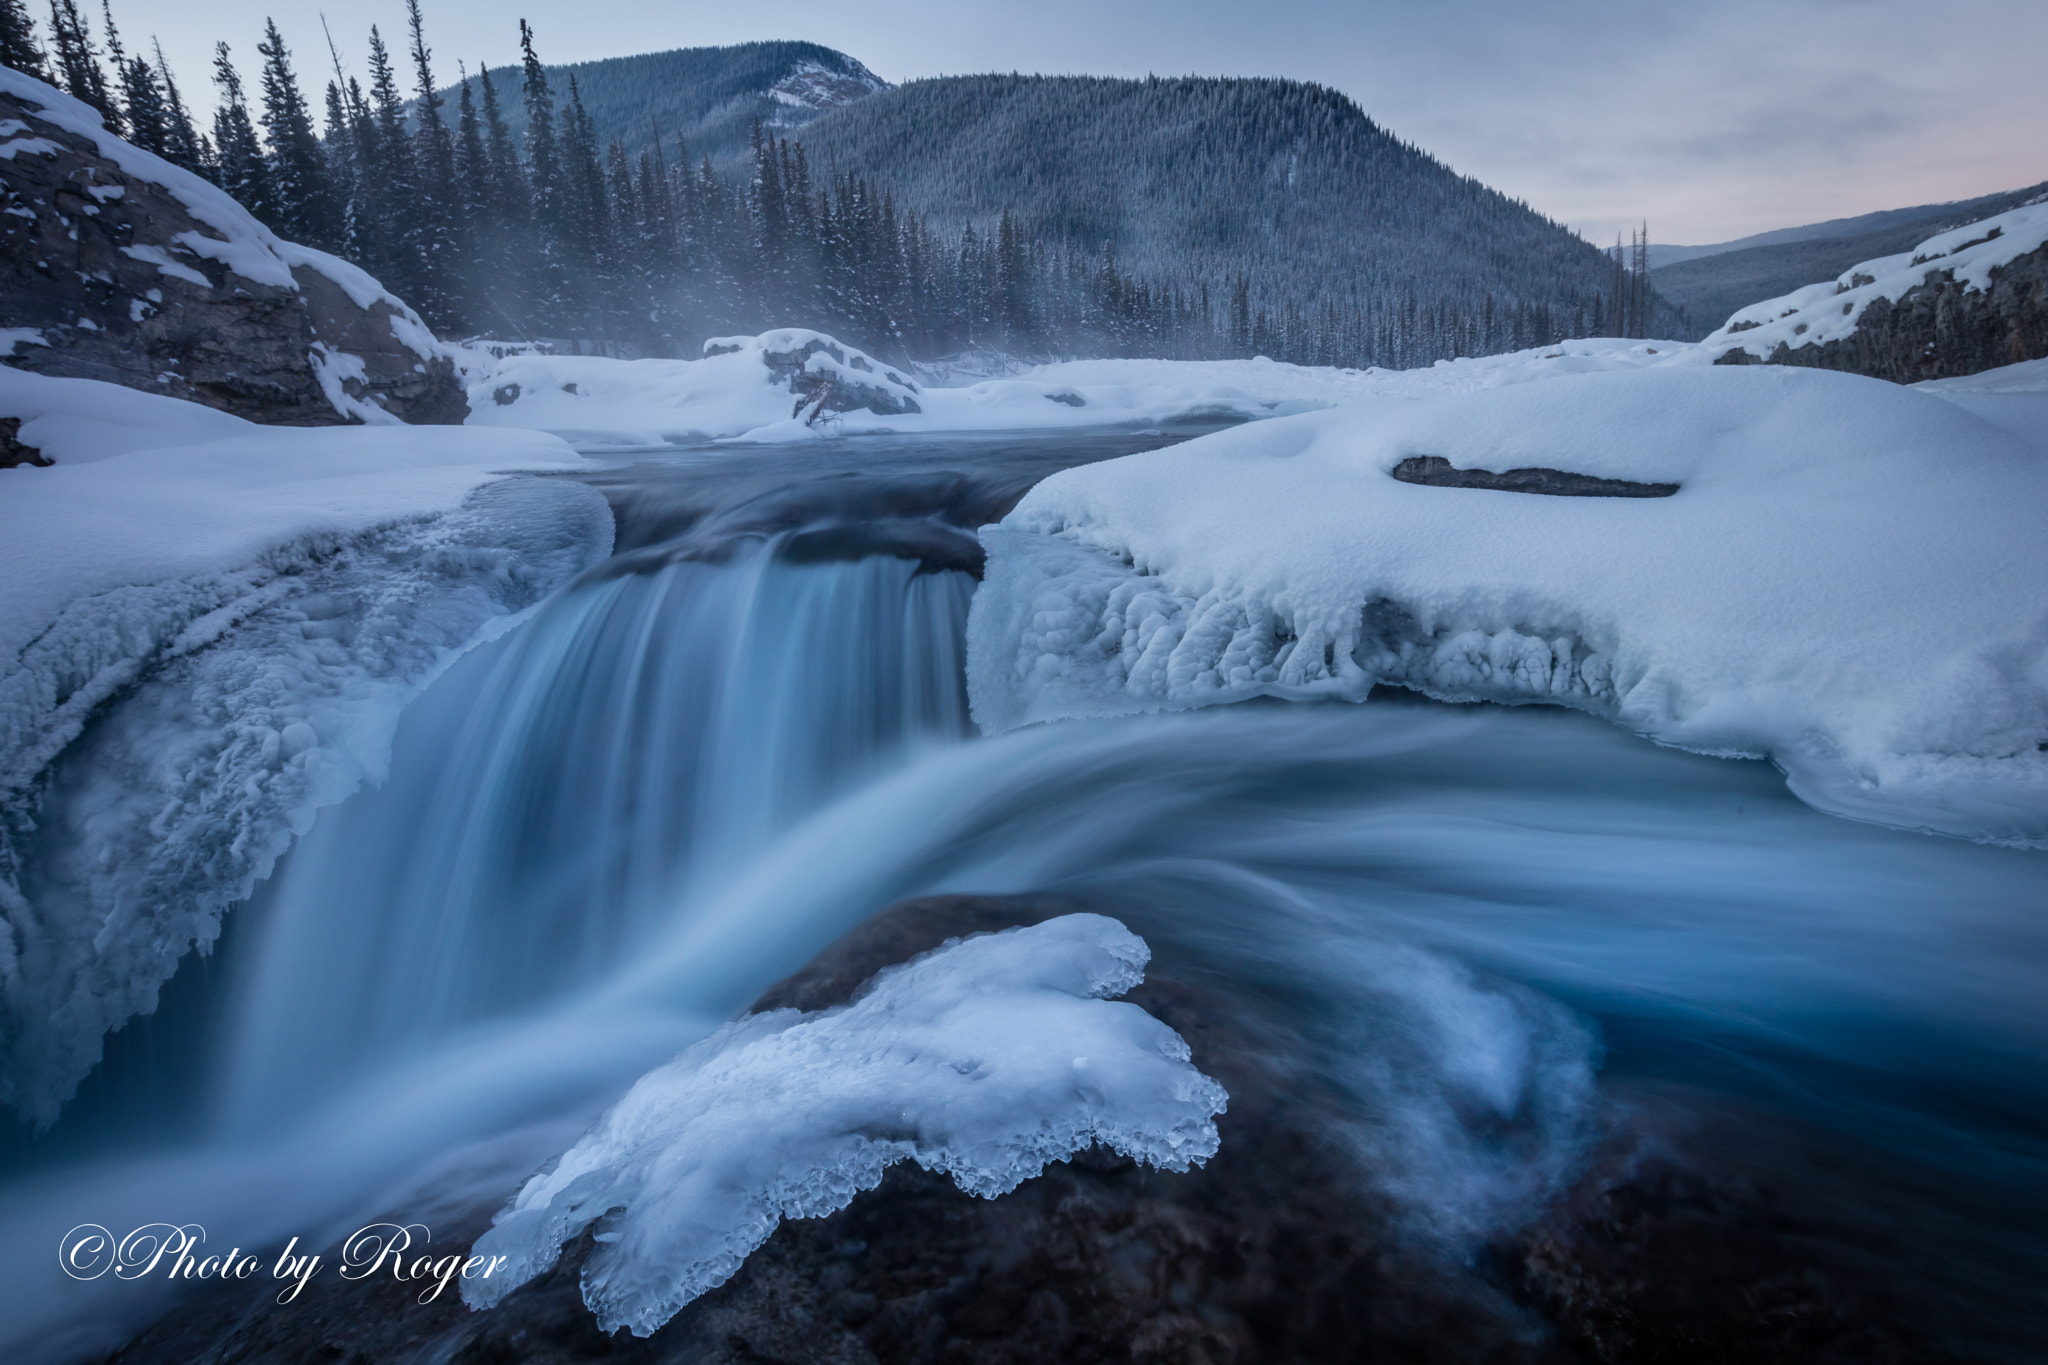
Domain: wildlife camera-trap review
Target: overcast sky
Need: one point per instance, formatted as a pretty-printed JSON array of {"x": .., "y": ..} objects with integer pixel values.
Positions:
[{"x": 1711, "y": 119}]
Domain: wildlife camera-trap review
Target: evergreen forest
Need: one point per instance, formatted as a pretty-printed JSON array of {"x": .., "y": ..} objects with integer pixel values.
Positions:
[{"x": 915, "y": 223}]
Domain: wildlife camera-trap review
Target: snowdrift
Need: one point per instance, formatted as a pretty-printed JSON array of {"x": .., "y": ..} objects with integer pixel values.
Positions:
[
  {"x": 1847, "y": 580},
  {"x": 209, "y": 629}
]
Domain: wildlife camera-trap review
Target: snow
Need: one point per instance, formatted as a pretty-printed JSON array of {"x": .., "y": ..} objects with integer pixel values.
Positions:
[
  {"x": 1821, "y": 313},
  {"x": 600, "y": 403},
  {"x": 984, "y": 1059},
  {"x": 13, "y": 339},
  {"x": 161, "y": 259},
  {"x": 2028, "y": 376},
  {"x": 1848, "y": 581},
  {"x": 242, "y": 244},
  {"x": 262, "y": 601}
]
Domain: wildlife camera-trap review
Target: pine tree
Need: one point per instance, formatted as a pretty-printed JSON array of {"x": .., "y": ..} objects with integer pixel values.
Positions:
[
  {"x": 438, "y": 232},
  {"x": 183, "y": 145},
  {"x": 307, "y": 210},
  {"x": 18, "y": 45},
  {"x": 549, "y": 190},
  {"x": 391, "y": 167},
  {"x": 149, "y": 117},
  {"x": 242, "y": 170},
  {"x": 78, "y": 62}
]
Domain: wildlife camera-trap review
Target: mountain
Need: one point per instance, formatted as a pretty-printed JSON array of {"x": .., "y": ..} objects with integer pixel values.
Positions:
[
  {"x": 1717, "y": 281},
  {"x": 1200, "y": 180},
  {"x": 710, "y": 96}
]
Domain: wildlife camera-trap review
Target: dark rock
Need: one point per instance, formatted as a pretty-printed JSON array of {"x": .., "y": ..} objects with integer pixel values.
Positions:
[
  {"x": 1437, "y": 472},
  {"x": 71, "y": 224},
  {"x": 1276, "y": 1251},
  {"x": 1936, "y": 330},
  {"x": 1069, "y": 397},
  {"x": 12, "y": 451}
]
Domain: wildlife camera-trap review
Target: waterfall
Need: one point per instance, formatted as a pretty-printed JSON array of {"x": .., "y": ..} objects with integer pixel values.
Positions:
[{"x": 555, "y": 798}]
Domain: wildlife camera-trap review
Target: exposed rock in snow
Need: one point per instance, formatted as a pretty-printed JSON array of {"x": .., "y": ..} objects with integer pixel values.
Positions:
[
  {"x": 1970, "y": 299},
  {"x": 122, "y": 267},
  {"x": 813, "y": 88}
]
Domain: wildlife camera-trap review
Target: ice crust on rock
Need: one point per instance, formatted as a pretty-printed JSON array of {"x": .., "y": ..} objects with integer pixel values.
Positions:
[
  {"x": 1847, "y": 582},
  {"x": 209, "y": 630},
  {"x": 984, "y": 1059}
]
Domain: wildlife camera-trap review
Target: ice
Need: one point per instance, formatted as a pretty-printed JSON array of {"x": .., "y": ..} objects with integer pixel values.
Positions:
[
  {"x": 1847, "y": 582},
  {"x": 209, "y": 630},
  {"x": 984, "y": 1059},
  {"x": 1820, "y": 313}
]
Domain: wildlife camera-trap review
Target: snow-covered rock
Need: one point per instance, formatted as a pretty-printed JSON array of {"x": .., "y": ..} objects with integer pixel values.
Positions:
[
  {"x": 220, "y": 622},
  {"x": 1847, "y": 580},
  {"x": 983, "y": 1060},
  {"x": 1968, "y": 299},
  {"x": 757, "y": 389},
  {"x": 122, "y": 267}
]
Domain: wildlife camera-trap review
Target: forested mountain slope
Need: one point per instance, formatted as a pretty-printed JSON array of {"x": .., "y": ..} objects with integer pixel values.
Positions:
[
  {"x": 1201, "y": 179},
  {"x": 709, "y": 96}
]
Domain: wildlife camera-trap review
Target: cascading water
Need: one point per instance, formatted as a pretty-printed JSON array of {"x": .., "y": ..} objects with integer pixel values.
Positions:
[
  {"x": 641, "y": 742},
  {"x": 606, "y": 832}
]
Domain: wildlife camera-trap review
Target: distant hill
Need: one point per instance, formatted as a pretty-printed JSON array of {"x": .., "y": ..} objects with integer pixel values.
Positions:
[
  {"x": 1712, "y": 286},
  {"x": 1201, "y": 178},
  {"x": 710, "y": 96}
]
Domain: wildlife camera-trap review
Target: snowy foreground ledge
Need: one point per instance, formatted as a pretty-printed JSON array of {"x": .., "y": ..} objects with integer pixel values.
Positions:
[
  {"x": 984, "y": 1059},
  {"x": 1848, "y": 581},
  {"x": 220, "y": 623}
]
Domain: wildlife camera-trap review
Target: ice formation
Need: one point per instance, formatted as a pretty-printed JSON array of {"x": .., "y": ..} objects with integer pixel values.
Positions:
[
  {"x": 984, "y": 1060},
  {"x": 1847, "y": 582},
  {"x": 220, "y": 622}
]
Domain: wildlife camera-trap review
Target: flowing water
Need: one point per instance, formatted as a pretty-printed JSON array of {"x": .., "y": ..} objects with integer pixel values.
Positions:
[{"x": 1490, "y": 932}]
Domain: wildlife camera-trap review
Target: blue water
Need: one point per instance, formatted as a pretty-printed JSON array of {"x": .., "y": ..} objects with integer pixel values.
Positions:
[{"x": 1488, "y": 931}]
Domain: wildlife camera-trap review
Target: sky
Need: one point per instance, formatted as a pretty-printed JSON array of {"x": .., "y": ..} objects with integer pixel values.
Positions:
[{"x": 1708, "y": 120}]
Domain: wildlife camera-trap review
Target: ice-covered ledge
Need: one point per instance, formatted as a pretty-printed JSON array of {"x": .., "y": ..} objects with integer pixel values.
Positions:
[{"x": 1847, "y": 581}]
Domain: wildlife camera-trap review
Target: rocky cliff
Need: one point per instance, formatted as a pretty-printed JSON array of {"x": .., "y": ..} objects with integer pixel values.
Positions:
[
  {"x": 119, "y": 266},
  {"x": 1969, "y": 300}
]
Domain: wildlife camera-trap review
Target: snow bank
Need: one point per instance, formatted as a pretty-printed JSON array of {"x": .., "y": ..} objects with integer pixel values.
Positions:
[
  {"x": 984, "y": 1059},
  {"x": 2028, "y": 376},
  {"x": 1821, "y": 313},
  {"x": 738, "y": 394},
  {"x": 241, "y": 243},
  {"x": 208, "y": 630},
  {"x": 1848, "y": 580}
]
